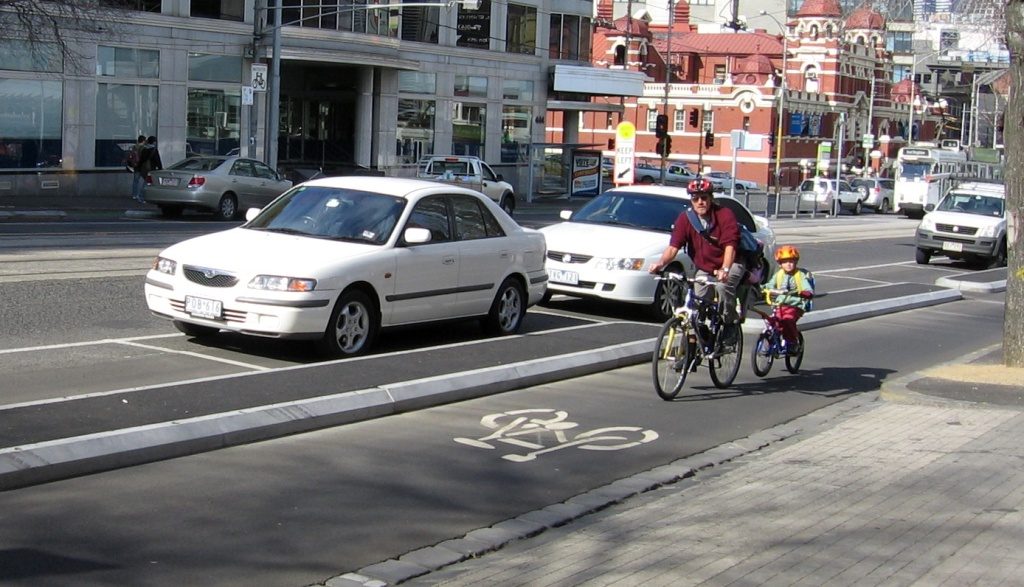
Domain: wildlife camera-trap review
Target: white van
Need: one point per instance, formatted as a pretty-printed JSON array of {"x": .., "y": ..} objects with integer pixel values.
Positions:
[{"x": 969, "y": 223}]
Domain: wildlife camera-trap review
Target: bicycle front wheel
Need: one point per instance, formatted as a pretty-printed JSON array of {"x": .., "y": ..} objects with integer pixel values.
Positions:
[
  {"x": 793, "y": 361},
  {"x": 762, "y": 356},
  {"x": 671, "y": 360},
  {"x": 726, "y": 365}
]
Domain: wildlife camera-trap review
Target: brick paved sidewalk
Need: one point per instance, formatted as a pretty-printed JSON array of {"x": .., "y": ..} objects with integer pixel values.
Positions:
[{"x": 895, "y": 494}]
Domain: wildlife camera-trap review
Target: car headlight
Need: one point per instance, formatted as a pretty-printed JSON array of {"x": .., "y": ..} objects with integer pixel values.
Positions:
[
  {"x": 987, "y": 231},
  {"x": 619, "y": 263},
  {"x": 927, "y": 224},
  {"x": 279, "y": 283},
  {"x": 164, "y": 265}
]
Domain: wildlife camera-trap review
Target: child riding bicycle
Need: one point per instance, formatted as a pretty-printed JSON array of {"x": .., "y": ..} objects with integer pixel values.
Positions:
[{"x": 796, "y": 287}]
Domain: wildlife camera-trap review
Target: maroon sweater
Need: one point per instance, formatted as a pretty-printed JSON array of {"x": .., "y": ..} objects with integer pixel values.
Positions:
[{"x": 724, "y": 230}]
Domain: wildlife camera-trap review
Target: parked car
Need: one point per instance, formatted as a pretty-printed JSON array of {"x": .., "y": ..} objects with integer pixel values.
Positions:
[
  {"x": 969, "y": 223},
  {"x": 877, "y": 192},
  {"x": 675, "y": 174},
  {"x": 471, "y": 172},
  {"x": 221, "y": 184},
  {"x": 336, "y": 259},
  {"x": 603, "y": 249},
  {"x": 723, "y": 180},
  {"x": 819, "y": 193}
]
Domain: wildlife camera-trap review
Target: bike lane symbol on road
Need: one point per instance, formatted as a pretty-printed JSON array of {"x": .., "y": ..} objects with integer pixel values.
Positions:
[{"x": 531, "y": 429}]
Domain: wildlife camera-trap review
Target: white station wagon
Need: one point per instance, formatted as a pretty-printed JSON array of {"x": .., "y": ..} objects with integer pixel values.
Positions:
[{"x": 338, "y": 258}]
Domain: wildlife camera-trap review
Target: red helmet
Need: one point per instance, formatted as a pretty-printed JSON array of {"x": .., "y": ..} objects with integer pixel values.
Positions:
[{"x": 700, "y": 186}]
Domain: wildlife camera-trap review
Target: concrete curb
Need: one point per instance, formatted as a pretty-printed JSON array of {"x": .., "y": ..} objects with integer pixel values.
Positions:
[
  {"x": 972, "y": 286},
  {"x": 481, "y": 541},
  {"x": 898, "y": 390},
  {"x": 68, "y": 457},
  {"x": 32, "y": 215}
]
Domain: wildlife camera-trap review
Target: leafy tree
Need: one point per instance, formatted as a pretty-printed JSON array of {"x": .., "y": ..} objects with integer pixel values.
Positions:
[
  {"x": 48, "y": 26},
  {"x": 1013, "y": 324}
]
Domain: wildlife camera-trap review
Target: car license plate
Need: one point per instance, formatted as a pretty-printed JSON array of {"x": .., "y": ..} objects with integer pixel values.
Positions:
[
  {"x": 203, "y": 307},
  {"x": 955, "y": 247},
  {"x": 168, "y": 181},
  {"x": 559, "y": 276}
]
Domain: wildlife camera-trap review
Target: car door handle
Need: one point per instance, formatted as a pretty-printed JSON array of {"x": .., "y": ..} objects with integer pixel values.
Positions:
[{"x": 448, "y": 261}]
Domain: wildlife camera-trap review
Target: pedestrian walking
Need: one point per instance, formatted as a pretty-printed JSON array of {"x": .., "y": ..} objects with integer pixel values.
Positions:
[
  {"x": 149, "y": 160},
  {"x": 131, "y": 162}
]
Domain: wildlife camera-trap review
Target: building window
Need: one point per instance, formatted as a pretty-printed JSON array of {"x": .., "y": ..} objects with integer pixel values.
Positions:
[
  {"x": 413, "y": 82},
  {"x": 219, "y": 9},
  {"x": 214, "y": 68},
  {"x": 513, "y": 89},
  {"x": 620, "y": 55},
  {"x": 123, "y": 112},
  {"x": 811, "y": 80},
  {"x": 900, "y": 41},
  {"x": 746, "y": 124},
  {"x": 474, "y": 26},
  {"x": 516, "y": 132},
  {"x": 719, "y": 73},
  {"x": 420, "y": 23},
  {"x": 30, "y": 123},
  {"x": 470, "y": 86},
  {"x": 949, "y": 40},
  {"x": 357, "y": 16},
  {"x": 415, "y": 132},
  {"x": 707, "y": 120},
  {"x": 127, "y": 62},
  {"x": 652, "y": 119},
  {"x": 138, "y": 5},
  {"x": 213, "y": 124},
  {"x": 570, "y": 37},
  {"x": 22, "y": 56},
  {"x": 679, "y": 120},
  {"x": 521, "y": 29},
  {"x": 469, "y": 128}
]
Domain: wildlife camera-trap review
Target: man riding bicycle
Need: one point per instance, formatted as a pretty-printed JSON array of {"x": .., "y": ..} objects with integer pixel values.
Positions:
[{"x": 713, "y": 248}]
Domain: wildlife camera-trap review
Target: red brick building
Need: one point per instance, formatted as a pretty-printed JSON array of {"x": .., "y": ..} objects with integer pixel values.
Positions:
[{"x": 837, "y": 86}]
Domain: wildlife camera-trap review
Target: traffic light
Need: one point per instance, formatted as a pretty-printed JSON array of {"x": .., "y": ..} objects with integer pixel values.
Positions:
[
  {"x": 709, "y": 139},
  {"x": 611, "y": 144},
  {"x": 660, "y": 147},
  {"x": 661, "y": 126},
  {"x": 694, "y": 117},
  {"x": 666, "y": 146}
]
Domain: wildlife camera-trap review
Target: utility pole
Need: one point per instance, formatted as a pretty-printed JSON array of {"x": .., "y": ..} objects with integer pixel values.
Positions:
[{"x": 665, "y": 141}]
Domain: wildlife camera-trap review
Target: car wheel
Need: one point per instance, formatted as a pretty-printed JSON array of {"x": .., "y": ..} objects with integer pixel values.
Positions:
[
  {"x": 508, "y": 203},
  {"x": 667, "y": 294},
  {"x": 647, "y": 179},
  {"x": 999, "y": 260},
  {"x": 352, "y": 327},
  {"x": 883, "y": 208},
  {"x": 227, "y": 208},
  {"x": 507, "y": 310},
  {"x": 195, "y": 330},
  {"x": 922, "y": 256},
  {"x": 857, "y": 208},
  {"x": 545, "y": 299},
  {"x": 170, "y": 211}
]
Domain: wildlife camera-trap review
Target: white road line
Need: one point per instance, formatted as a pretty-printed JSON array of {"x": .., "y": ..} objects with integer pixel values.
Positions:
[
  {"x": 862, "y": 279},
  {"x": 68, "y": 345},
  {"x": 194, "y": 354},
  {"x": 862, "y": 267}
]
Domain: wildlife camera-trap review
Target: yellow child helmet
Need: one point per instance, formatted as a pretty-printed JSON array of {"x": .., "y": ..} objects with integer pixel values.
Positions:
[{"x": 786, "y": 253}]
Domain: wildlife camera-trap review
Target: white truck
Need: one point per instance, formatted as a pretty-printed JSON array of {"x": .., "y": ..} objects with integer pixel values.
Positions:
[{"x": 469, "y": 172}]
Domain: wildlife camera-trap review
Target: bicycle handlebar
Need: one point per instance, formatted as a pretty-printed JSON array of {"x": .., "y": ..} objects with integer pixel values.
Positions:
[{"x": 682, "y": 277}]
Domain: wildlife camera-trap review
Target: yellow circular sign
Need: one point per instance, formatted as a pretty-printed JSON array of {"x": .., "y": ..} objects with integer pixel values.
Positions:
[{"x": 625, "y": 131}]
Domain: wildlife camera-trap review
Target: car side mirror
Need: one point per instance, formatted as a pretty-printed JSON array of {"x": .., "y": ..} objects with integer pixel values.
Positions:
[
  {"x": 252, "y": 213},
  {"x": 565, "y": 214},
  {"x": 499, "y": 176},
  {"x": 416, "y": 236},
  {"x": 929, "y": 207}
]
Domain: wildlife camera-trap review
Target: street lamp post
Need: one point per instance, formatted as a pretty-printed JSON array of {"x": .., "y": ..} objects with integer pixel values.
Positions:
[
  {"x": 779, "y": 119},
  {"x": 668, "y": 81}
]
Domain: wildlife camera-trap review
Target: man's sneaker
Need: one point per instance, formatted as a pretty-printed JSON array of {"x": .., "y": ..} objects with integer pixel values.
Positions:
[
  {"x": 793, "y": 349},
  {"x": 727, "y": 337}
]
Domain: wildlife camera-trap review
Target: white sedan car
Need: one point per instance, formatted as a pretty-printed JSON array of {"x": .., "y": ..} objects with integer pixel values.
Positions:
[
  {"x": 336, "y": 259},
  {"x": 723, "y": 181},
  {"x": 603, "y": 250}
]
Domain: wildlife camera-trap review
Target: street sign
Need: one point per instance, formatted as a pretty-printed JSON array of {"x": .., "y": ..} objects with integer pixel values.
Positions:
[
  {"x": 824, "y": 155},
  {"x": 867, "y": 141},
  {"x": 625, "y": 147},
  {"x": 258, "y": 71},
  {"x": 247, "y": 96}
]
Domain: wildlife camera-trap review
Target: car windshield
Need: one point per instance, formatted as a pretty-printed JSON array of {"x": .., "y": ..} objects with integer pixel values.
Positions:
[
  {"x": 643, "y": 211},
  {"x": 972, "y": 204},
  {"x": 332, "y": 213},
  {"x": 198, "y": 164},
  {"x": 912, "y": 170}
]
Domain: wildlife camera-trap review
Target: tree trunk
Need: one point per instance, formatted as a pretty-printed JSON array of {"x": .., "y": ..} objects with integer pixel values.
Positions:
[{"x": 1013, "y": 321}]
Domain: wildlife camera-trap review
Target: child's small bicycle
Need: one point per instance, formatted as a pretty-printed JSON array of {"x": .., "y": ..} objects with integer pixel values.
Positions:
[{"x": 770, "y": 343}]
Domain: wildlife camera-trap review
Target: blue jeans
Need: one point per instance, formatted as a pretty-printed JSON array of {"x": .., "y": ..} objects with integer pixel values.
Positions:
[{"x": 138, "y": 181}]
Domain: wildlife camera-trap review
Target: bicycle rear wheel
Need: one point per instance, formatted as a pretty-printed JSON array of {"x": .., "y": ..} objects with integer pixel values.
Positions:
[
  {"x": 793, "y": 361},
  {"x": 671, "y": 360},
  {"x": 762, "y": 356},
  {"x": 726, "y": 365}
]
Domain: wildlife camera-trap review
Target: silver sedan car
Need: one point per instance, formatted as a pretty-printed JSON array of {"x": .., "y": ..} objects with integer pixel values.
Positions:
[{"x": 224, "y": 185}]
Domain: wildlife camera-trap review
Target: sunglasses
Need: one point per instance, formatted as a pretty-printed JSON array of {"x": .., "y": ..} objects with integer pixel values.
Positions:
[{"x": 700, "y": 197}]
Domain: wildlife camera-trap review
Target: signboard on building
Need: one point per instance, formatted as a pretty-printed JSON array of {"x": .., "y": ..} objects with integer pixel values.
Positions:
[{"x": 625, "y": 148}]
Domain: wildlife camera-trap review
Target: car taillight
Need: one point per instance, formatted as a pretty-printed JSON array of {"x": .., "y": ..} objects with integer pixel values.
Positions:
[
  {"x": 149, "y": 179},
  {"x": 196, "y": 181},
  {"x": 877, "y": 191}
]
